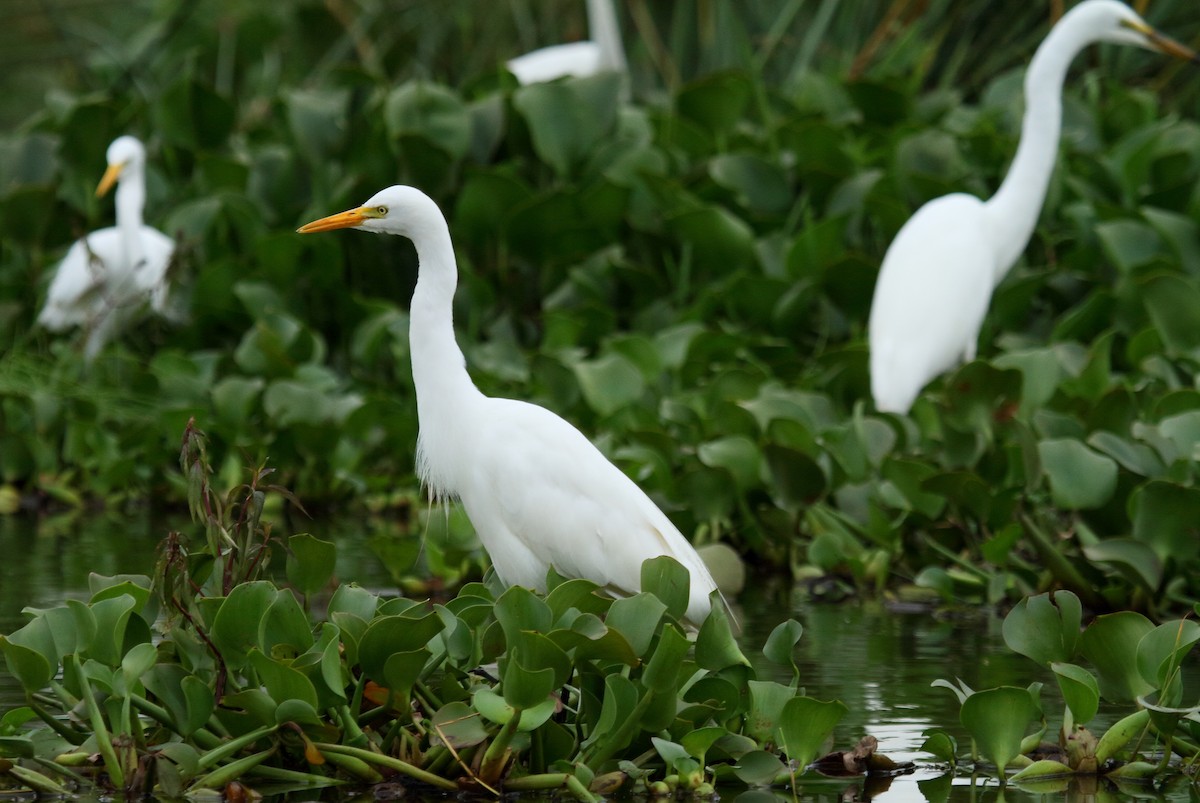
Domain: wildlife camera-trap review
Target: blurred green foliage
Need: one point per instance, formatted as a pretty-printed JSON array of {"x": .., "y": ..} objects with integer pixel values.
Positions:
[{"x": 686, "y": 277}]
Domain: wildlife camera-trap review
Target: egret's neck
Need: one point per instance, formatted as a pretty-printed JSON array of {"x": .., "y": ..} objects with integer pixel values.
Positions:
[
  {"x": 130, "y": 200},
  {"x": 1015, "y": 207},
  {"x": 605, "y": 31},
  {"x": 445, "y": 394}
]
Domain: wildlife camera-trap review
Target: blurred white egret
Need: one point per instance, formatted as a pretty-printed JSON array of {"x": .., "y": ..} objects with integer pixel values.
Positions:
[
  {"x": 601, "y": 53},
  {"x": 938, "y": 275},
  {"x": 107, "y": 275},
  {"x": 538, "y": 492}
]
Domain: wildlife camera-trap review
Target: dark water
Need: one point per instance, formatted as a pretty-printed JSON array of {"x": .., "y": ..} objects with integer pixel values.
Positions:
[{"x": 879, "y": 662}]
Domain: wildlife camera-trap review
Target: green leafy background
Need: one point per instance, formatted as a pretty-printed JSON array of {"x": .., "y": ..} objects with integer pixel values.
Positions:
[{"x": 686, "y": 277}]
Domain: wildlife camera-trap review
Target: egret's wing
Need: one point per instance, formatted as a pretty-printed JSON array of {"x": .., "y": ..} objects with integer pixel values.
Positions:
[
  {"x": 930, "y": 298},
  {"x": 550, "y": 498},
  {"x": 152, "y": 274},
  {"x": 79, "y": 279}
]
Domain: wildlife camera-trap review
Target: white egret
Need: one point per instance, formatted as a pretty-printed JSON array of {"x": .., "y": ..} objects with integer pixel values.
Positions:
[
  {"x": 938, "y": 274},
  {"x": 538, "y": 492},
  {"x": 107, "y": 275},
  {"x": 603, "y": 52}
]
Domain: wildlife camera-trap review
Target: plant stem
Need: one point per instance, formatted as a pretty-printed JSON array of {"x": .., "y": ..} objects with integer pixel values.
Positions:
[{"x": 389, "y": 762}]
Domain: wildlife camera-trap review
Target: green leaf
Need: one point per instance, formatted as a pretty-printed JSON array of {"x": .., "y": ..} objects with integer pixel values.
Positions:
[
  {"x": 670, "y": 581},
  {"x": 457, "y": 725},
  {"x": 637, "y": 618},
  {"x": 1080, "y": 478},
  {"x": 568, "y": 118},
  {"x": 236, "y": 628},
  {"x": 780, "y": 647},
  {"x": 997, "y": 720},
  {"x": 759, "y": 185},
  {"x": 716, "y": 101},
  {"x": 281, "y": 681},
  {"x": 1173, "y": 303},
  {"x": 1161, "y": 652},
  {"x": 767, "y": 700},
  {"x": 941, "y": 745},
  {"x": 609, "y": 383},
  {"x": 310, "y": 563},
  {"x": 1042, "y": 631},
  {"x": 1079, "y": 689},
  {"x": 804, "y": 725},
  {"x": 112, "y": 618},
  {"x": 716, "y": 646},
  {"x": 1164, "y": 517},
  {"x": 32, "y": 668},
  {"x": 1110, "y": 642},
  {"x": 432, "y": 112},
  {"x": 662, "y": 669}
]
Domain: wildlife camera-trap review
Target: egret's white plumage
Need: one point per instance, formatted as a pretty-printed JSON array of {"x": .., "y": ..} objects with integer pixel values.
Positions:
[
  {"x": 938, "y": 275},
  {"x": 109, "y": 274},
  {"x": 601, "y": 53},
  {"x": 538, "y": 492}
]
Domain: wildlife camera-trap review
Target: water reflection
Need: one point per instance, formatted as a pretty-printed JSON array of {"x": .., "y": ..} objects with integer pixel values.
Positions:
[{"x": 879, "y": 662}]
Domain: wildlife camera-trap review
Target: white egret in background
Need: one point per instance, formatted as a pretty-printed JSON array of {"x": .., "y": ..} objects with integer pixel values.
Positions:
[
  {"x": 538, "y": 492},
  {"x": 108, "y": 275},
  {"x": 603, "y": 52},
  {"x": 938, "y": 275}
]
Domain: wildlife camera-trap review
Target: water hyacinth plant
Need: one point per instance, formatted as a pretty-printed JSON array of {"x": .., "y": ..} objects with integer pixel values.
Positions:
[
  {"x": 1134, "y": 663},
  {"x": 209, "y": 674}
]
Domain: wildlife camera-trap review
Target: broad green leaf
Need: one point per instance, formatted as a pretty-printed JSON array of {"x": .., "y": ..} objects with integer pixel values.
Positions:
[
  {"x": 716, "y": 646},
  {"x": 1110, "y": 642},
  {"x": 1043, "y": 631},
  {"x": 804, "y": 724},
  {"x": 1164, "y": 517},
  {"x": 1079, "y": 689},
  {"x": 1080, "y": 478},
  {"x": 637, "y": 618},
  {"x": 997, "y": 720},
  {"x": 310, "y": 563},
  {"x": 667, "y": 579},
  {"x": 1173, "y": 303},
  {"x": 237, "y": 626},
  {"x": 662, "y": 669},
  {"x": 281, "y": 681},
  {"x": 457, "y": 725}
]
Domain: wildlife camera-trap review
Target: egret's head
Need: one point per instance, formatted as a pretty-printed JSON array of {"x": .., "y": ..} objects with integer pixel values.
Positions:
[
  {"x": 124, "y": 155},
  {"x": 1113, "y": 21},
  {"x": 396, "y": 210}
]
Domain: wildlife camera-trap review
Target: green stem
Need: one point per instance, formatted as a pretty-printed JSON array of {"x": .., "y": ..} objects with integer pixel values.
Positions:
[
  {"x": 389, "y": 762},
  {"x": 205, "y": 738},
  {"x": 493, "y": 760},
  {"x": 1063, "y": 570},
  {"x": 233, "y": 746},
  {"x": 99, "y": 730},
  {"x": 58, "y": 726},
  {"x": 551, "y": 780}
]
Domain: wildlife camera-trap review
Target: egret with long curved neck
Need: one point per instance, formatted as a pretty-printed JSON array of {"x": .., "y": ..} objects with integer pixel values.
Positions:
[
  {"x": 108, "y": 275},
  {"x": 938, "y": 275},
  {"x": 538, "y": 492}
]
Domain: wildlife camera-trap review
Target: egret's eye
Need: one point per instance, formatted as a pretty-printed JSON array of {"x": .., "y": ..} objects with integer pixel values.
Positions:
[{"x": 382, "y": 210}]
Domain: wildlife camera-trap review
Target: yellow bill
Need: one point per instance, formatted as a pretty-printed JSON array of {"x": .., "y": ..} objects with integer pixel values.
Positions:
[
  {"x": 342, "y": 220},
  {"x": 1165, "y": 44},
  {"x": 109, "y": 178}
]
